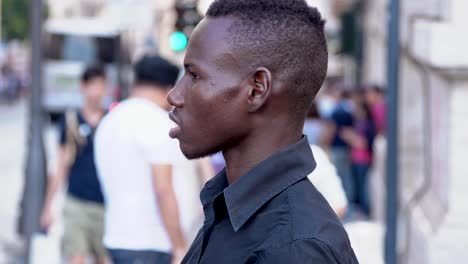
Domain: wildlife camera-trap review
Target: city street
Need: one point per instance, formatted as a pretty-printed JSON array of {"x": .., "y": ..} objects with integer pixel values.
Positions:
[
  {"x": 391, "y": 115},
  {"x": 366, "y": 237},
  {"x": 13, "y": 125}
]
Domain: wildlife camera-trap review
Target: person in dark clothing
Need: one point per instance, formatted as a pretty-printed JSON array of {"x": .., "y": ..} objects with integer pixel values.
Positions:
[
  {"x": 252, "y": 70},
  {"x": 10, "y": 83},
  {"x": 340, "y": 151},
  {"x": 361, "y": 154},
  {"x": 375, "y": 99},
  {"x": 83, "y": 209},
  {"x": 316, "y": 129}
]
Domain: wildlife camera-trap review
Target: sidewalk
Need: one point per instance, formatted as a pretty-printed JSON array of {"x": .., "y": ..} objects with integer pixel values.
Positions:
[{"x": 13, "y": 128}]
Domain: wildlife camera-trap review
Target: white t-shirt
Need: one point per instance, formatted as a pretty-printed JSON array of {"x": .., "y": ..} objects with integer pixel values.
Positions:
[
  {"x": 326, "y": 180},
  {"x": 131, "y": 138}
]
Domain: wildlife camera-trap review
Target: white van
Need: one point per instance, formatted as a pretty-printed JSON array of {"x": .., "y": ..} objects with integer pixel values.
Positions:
[{"x": 72, "y": 44}]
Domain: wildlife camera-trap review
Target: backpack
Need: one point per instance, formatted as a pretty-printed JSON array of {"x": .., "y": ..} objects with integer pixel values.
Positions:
[{"x": 74, "y": 139}]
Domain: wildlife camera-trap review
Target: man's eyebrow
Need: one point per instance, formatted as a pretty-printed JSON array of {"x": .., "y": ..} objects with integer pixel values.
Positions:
[
  {"x": 190, "y": 65},
  {"x": 193, "y": 66}
]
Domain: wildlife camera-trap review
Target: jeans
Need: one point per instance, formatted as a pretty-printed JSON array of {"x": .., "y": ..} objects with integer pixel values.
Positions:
[
  {"x": 360, "y": 172},
  {"x": 341, "y": 158},
  {"x": 121, "y": 256}
]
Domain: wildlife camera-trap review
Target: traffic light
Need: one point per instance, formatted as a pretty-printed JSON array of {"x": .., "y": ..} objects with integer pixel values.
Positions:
[
  {"x": 187, "y": 19},
  {"x": 178, "y": 41}
]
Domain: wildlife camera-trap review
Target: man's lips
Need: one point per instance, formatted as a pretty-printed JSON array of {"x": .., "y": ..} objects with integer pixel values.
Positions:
[{"x": 174, "y": 132}]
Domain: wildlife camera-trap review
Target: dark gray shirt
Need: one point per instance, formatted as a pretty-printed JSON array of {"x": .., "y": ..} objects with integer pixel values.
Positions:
[{"x": 273, "y": 214}]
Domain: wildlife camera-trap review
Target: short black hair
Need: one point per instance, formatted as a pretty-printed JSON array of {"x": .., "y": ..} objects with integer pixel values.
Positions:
[
  {"x": 377, "y": 89},
  {"x": 286, "y": 36},
  {"x": 155, "y": 70},
  {"x": 92, "y": 72}
]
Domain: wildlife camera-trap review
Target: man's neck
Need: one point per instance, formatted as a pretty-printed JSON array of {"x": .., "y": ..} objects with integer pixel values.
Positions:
[
  {"x": 254, "y": 149},
  {"x": 156, "y": 95},
  {"x": 92, "y": 114},
  {"x": 92, "y": 109}
]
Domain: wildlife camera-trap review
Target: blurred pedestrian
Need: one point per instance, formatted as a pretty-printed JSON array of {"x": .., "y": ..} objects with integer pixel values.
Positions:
[
  {"x": 83, "y": 210},
  {"x": 328, "y": 183},
  {"x": 340, "y": 151},
  {"x": 361, "y": 138},
  {"x": 362, "y": 155},
  {"x": 328, "y": 97},
  {"x": 137, "y": 162},
  {"x": 375, "y": 99},
  {"x": 317, "y": 130},
  {"x": 10, "y": 83},
  {"x": 252, "y": 70}
]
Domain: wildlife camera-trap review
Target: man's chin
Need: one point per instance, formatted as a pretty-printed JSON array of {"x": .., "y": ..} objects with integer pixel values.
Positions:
[{"x": 194, "y": 153}]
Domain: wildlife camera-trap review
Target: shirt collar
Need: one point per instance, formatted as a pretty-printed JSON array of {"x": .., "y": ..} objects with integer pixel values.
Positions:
[{"x": 272, "y": 176}]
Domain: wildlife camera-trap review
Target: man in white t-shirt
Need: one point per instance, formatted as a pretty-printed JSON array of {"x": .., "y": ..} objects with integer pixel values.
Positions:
[
  {"x": 136, "y": 161},
  {"x": 326, "y": 180}
]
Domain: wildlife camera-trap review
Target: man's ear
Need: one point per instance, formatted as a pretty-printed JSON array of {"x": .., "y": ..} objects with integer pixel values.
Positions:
[{"x": 260, "y": 88}]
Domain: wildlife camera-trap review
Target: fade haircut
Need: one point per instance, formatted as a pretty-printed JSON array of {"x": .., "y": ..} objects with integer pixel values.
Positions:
[{"x": 286, "y": 36}]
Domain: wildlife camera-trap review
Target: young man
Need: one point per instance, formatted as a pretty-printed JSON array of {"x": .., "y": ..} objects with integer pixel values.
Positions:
[
  {"x": 136, "y": 161},
  {"x": 252, "y": 70},
  {"x": 83, "y": 210}
]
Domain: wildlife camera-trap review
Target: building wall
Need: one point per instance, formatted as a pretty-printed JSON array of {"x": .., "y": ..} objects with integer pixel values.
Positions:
[
  {"x": 68, "y": 8},
  {"x": 433, "y": 131},
  {"x": 451, "y": 241}
]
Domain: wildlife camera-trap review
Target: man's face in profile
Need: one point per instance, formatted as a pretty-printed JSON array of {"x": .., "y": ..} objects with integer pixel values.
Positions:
[{"x": 210, "y": 102}]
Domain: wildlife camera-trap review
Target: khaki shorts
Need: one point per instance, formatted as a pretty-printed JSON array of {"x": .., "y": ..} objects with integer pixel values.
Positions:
[{"x": 83, "y": 228}]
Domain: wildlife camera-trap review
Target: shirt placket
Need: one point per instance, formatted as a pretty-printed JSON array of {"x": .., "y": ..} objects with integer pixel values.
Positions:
[{"x": 206, "y": 229}]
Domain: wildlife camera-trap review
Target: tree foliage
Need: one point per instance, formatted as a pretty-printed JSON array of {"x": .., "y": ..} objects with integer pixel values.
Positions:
[{"x": 15, "y": 19}]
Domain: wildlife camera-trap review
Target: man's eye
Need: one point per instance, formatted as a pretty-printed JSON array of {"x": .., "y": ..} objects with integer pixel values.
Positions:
[{"x": 194, "y": 76}]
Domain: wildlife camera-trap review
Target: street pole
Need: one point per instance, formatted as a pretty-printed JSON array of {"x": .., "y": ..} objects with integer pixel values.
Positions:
[
  {"x": 391, "y": 254},
  {"x": 34, "y": 187},
  {"x": 1, "y": 35}
]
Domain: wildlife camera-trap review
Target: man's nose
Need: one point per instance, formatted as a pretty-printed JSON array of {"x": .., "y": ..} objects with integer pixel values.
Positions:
[{"x": 175, "y": 98}]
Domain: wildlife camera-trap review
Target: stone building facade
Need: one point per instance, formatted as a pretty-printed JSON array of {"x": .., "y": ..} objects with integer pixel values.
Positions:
[{"x": 433, "y": 123}]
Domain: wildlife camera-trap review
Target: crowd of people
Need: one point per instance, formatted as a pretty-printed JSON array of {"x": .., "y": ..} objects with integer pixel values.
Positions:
[
  {"x": 345, "y": 122},
  {"x": 131, "y": 194},
  {"x": 341, "y": 128}
]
